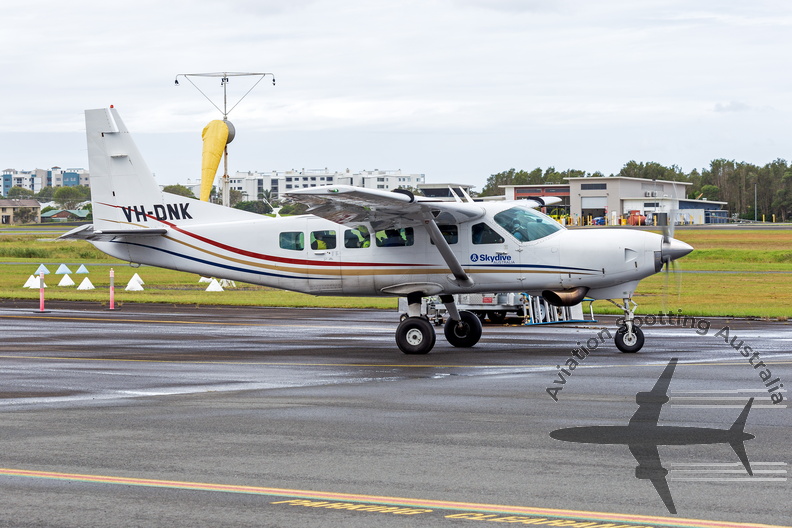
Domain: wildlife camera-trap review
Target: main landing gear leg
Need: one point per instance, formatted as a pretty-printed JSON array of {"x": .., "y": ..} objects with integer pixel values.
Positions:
[
  {"x": 629, "y": 338},
  {"x": 463, "y": 329},
  {"x": 415, "y": 334}
]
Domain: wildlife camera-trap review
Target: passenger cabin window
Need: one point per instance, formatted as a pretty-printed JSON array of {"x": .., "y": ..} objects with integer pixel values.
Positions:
[
  {"x": 450, "y": 233},
  {"x": 323, "y": 240},
  {"x": 356, "y": 238},
  {"x": 484, "y": 234},
  {"x": 395, "y": 237},
  {"x": 294, "y": 240},
  {"x": 525, "y": 224}
]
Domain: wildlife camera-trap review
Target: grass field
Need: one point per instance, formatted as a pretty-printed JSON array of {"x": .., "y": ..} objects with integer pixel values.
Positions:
[
  {"x": 747, "y": 273},
  {"x": 750, "y": 275}
]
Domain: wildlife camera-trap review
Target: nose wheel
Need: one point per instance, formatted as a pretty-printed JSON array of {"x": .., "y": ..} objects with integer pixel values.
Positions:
[
  {"x": 629, "y": 338},
  {"x": 629, "y": 342}
]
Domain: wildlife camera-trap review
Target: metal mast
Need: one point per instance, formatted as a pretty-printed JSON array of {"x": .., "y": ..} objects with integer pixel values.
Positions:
[{"x": 224, "y": 78}]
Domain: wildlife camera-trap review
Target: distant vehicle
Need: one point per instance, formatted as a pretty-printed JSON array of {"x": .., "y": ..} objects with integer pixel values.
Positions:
[
  {"x": 635, "y": 218},
  {"x": 372, "y": 242}
]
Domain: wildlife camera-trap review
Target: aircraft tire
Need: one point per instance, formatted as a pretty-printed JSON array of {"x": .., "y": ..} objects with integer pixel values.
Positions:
[
  {"x": 629, "y": 344},
  {"x": 415, "y": 335},
  {"x": 464, "y": 333}
]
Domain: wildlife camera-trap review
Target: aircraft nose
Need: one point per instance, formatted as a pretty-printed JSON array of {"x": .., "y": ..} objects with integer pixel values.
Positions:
[{"x": 674, "y": 249}]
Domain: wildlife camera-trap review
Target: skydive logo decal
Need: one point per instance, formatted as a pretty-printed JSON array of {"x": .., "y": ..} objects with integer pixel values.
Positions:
[
  {"x": 483, "y": 257},
  {"x": 157, "y": 211}
]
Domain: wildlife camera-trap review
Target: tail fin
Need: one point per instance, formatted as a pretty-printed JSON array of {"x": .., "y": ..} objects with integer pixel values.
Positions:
[
  {"x": 123, "y": 190},
  {"x": 738, "y": 443},
  {"x": 119, "y": 175}
]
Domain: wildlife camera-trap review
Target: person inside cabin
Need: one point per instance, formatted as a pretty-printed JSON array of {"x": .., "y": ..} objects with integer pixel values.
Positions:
[
  {"x": 519, "y": 231},
  {"x": 393, "y": 238}
]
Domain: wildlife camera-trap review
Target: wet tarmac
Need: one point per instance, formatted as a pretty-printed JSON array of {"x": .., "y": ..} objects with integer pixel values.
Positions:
[{"x": 180, "y": 416}]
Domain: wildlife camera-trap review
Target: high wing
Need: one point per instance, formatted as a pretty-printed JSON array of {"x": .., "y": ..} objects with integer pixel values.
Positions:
[
  {"x": 651, "y": 403},
  {"x": 349, "y": 205},
  {"x": 345, "y": 204}
]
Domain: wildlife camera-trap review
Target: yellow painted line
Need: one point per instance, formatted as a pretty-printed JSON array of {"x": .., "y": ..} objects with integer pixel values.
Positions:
[{"x": 383, "y": 500}]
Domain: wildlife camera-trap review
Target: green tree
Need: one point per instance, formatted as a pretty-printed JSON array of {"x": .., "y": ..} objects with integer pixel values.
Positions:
[
  {"x": 69, "y": 197},
  {"x": 710, "y": 192},
  {"x": 25, "y": 215},
  {"x": 782, "y": 198},
  {"x": 266, "y": 195},
  {"x": 254, "y": 206},
  {"x": 17, "y": 193},
  {"x": 535, "y": 177},
  {"x": 293, "y": 209},
  {"x": 234, "y": 197},
  {"x": 179, "y": 190},
  {"x": 45, "y": 194}
]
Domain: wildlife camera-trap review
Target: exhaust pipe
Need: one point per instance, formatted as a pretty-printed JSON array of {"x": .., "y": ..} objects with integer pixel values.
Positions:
[{"x": 565, "y": 297}]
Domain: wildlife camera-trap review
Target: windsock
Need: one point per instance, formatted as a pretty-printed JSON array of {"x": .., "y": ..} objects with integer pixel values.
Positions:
[{"x": 216, "y": 135}]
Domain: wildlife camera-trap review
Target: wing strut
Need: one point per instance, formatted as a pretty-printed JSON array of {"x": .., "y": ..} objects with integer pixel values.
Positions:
[{"x": 461, "y": 276}]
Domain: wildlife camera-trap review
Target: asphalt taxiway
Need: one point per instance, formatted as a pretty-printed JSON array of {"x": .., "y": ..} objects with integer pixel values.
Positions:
[{"x": 160, "y": 415}]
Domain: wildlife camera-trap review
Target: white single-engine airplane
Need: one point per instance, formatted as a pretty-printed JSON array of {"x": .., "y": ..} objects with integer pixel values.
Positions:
[{"x": 365, "y": 242}]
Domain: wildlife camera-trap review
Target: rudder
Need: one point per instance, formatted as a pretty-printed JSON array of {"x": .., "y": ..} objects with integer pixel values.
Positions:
[{"x": 119, "y": 175}]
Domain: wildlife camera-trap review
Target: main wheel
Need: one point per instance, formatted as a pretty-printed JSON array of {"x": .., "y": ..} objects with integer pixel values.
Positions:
[
  {"x": 415, "y": 335},
  {"x": 463, "y": 333},
  {"x": 629, "y": 343}
]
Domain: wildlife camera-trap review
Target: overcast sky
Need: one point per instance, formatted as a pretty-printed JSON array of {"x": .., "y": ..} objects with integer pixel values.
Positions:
[{"x": 454, "y": 89}]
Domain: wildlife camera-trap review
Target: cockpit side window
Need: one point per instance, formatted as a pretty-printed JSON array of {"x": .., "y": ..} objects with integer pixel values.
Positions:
[{"x": 525, "y": 224}]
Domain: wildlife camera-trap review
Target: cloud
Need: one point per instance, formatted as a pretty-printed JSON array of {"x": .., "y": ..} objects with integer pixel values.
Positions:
[{"x": 732, "y": 106}]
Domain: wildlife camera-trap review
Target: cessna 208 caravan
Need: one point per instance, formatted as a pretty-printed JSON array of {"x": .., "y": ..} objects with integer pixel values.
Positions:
[{"x": 366, "y": 242}]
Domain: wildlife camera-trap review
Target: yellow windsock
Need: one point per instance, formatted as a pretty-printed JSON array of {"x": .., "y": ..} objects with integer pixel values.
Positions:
[{"x": 215, "y": 138}]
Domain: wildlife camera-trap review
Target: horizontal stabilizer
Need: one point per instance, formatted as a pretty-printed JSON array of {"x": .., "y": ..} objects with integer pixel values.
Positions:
[
  {"x": 542, "y": 201},
  {"x": 87, "y": 232}
]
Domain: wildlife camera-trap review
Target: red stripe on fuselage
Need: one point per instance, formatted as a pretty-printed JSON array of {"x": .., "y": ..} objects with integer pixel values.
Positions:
[{"x": 261, "y": 256}]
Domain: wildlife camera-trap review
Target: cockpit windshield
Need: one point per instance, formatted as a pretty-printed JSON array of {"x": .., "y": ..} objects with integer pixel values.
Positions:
[{"x": 525, "y": 224}]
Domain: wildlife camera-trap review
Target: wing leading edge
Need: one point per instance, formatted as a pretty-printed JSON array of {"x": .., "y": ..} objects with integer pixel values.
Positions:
[{"x": 349, "y": 205}]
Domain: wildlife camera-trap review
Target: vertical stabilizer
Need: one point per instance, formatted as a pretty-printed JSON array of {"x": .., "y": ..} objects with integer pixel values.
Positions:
[{"x": 119, "y": 175}]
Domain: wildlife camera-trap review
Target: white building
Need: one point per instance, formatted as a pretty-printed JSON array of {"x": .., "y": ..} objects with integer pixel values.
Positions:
[
  {"x": 253, "y": 184},
  {"x": 37, "y": 179}
]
